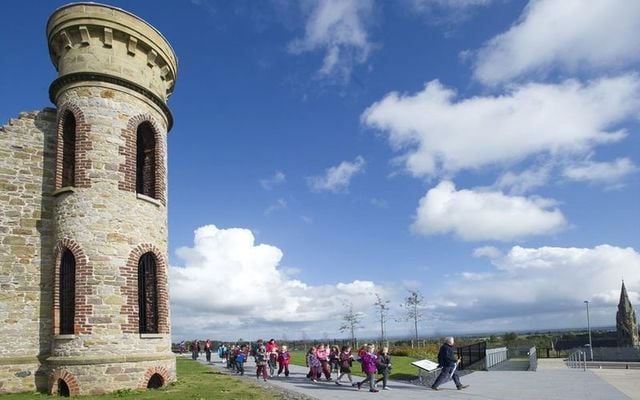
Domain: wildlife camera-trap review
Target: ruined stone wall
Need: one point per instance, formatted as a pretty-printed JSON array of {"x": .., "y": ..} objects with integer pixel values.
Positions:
[{"x": 26, "y": 249}]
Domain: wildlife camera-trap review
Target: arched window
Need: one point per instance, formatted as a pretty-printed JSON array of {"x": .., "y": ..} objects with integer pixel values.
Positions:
[
  {"x": 69, "y": 150},
  {"x": 148, "y": 294},
  {"x": 146, "y": 160},
  {"x": 67, "y": 292}
]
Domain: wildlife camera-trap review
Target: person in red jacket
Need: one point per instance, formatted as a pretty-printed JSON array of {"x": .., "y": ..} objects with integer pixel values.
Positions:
[{"x": 283, "y": 361}]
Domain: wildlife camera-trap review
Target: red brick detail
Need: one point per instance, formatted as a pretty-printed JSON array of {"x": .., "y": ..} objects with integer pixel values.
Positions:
[
  {"x": 128, "y": 168},
  {"x": 83, "y": 145},
  {"x": 84, "y": 271},
  {"x": 162, "y": 371},
  {"x": 130, "y": 289},
  {"x": 68, "y": 378}
]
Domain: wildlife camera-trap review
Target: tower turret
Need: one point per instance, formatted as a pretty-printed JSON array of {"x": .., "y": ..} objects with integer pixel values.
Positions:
[
  {"x": 110, "y": 294},
  {"x": 626, "y": 321}
]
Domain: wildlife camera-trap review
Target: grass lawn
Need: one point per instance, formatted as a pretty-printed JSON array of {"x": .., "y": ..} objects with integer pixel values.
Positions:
[
  {"x": 195, "y": 382},
  {"x": 401, "y": 366}
]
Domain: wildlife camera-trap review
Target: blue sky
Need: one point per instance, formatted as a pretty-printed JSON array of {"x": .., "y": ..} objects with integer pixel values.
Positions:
[{"x": 484, "y": 152}]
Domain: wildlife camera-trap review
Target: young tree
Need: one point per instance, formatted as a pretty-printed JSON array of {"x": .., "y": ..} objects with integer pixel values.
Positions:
[
  {"x": 352, "y": 321},
  {"x": 383, "y": 310},
  {"x": 413, "y": 311}
]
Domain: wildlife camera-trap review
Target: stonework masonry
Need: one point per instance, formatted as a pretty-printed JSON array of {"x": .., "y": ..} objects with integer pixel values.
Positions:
[{"x": 115, "y": 73}]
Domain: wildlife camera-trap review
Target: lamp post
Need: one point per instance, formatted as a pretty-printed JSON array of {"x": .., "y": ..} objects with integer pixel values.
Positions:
[{"x": 589, "y": 329}]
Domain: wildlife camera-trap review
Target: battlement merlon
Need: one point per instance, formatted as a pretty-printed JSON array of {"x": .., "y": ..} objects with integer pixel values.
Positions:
[{"x": 95, "y": 42}]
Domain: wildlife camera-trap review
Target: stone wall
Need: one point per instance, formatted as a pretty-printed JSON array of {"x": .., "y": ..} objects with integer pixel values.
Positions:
[{"x": 26, "y": 248}]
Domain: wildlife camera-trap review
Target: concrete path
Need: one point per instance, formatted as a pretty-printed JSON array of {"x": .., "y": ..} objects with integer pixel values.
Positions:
[{"x": 548, "y": 384}]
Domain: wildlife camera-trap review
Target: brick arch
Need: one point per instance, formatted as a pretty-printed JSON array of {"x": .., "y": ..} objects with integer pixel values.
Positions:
[
  {"x": 130, "y": 289},
  {"x": 160, "y": 370},
  {"x": 68, "y": 378},
  {"x": 83, "y": 145},
  {"x": 128, "y": 167},
  {"x": 83, "y": 271}
]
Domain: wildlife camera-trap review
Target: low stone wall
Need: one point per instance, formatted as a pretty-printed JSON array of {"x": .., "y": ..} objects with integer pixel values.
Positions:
[{"x": 22, "y": 374}]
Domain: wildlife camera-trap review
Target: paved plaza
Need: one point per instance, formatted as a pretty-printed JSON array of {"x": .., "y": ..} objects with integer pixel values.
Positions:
[{"x": 552, "y": 381}]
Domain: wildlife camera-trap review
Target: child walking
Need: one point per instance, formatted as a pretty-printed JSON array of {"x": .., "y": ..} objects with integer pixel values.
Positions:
[
  {"x": 384, "y": 367},
  {"x": 314, "y": 365},
  {"x": 346, "y": 361},
  {"x": 283, "y": 361},
  {"x": 369, "y": 367},
  {"x": 261, "y": 362},
  {"x": 240, "y": 359}
]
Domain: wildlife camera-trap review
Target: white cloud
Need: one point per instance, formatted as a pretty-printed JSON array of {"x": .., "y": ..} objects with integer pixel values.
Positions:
[
  {"x": 525, "y": 181},
  {"x": 338, "y": 178},
  {"x": 338, "y": 27},
  {"x": 545, "y": 286},
  {"x": 600, "y": 172},
  {"x": 228, "y": 285},
  {"x": 483, "y": 215},
  {"x": 278, "y": 178},
  {"x": 440, "y": 135},
  {"x": 569, "y": 34},
  {"x": 487, "y": 251}
]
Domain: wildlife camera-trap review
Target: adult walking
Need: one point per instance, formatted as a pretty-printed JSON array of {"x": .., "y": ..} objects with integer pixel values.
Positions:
[{"x": 448, "y": 361}]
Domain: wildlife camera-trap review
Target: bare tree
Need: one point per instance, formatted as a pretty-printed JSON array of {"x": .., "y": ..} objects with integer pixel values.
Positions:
[
  {"x": 413, "y": 311},
  {"x": 351, "y": 323},
  {"x": 383, "y": 310}
]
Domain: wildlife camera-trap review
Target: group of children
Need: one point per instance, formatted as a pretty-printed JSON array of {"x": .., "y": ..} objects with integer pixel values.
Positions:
[
  {"x": 321, "y": 360},
  {"x": 269, "y": 356},
  {"x": 324, "y": 360}
]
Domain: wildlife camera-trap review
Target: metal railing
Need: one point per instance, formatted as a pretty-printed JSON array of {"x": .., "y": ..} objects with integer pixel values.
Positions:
[
  {"x": 471, "y": 354},
  {"x": 495, "y": 356},
  {"x": 533, "y": 359},
  {"x": 577, "y": 359}
]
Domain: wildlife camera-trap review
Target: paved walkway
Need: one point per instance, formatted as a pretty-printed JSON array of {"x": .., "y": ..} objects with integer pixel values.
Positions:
[{"x": 548, "y": 384}]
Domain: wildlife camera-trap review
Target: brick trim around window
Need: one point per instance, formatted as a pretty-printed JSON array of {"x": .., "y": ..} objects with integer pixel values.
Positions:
[
  {"x": 130, "y": 289},
  {"x": 82, "y": 290},
  {"x": 128, "y": 168},
  {"x": 83, "y": 145}
]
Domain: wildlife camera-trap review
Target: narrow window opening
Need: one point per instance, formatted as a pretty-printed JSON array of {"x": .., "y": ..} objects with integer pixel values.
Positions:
[
  {"x": 146, "y": 161},
  {"x": 155, "y": 382},
  {"x": 63, "y": 388},
  {"x": 69, "y": 150},
  {"x": 147, "y": 294},
  {"x": 67, "y": 292}
]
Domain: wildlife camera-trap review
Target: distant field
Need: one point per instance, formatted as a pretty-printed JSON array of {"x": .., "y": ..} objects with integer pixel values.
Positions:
[
  {"x": 195, "y": 381},
  {"x": 401, "y": 366}
]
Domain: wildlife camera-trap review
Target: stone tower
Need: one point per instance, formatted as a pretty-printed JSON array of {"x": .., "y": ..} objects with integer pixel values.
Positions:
[
  {"x": 626, "y": 321},
  {"x": 86, "y": 301}
]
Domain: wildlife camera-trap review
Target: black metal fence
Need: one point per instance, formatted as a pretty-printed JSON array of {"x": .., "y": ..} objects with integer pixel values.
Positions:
[{"x": 471, "y": 354}]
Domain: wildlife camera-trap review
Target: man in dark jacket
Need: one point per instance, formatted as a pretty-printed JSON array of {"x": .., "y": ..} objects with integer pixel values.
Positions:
[{"x": 449, "y": 363}]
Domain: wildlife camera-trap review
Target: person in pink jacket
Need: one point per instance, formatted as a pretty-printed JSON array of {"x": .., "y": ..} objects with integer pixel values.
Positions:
[
  {"x": 322, "y": 353},
  {"x": 369, "y": 367}
]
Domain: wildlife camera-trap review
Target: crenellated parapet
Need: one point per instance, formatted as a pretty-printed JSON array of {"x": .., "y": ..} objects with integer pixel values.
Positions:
[{"x": 94, "y": 42}]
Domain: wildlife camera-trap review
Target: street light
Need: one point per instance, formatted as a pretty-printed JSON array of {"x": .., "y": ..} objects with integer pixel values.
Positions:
[{"x": 589, "y": 329}]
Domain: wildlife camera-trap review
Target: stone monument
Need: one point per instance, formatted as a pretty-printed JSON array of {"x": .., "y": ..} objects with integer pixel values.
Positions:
[
  {"x": 626, "y": 321},
  {"x": 84, "y": 302}
]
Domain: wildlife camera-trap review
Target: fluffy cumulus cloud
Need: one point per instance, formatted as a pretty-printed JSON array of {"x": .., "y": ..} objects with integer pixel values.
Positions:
[
  {"x": 439, "y": 135},
  {"x": 608, "y": 173},
  {"x": 570, "y": 34},
  {"x": 337, "y": 179},
  {"x": 228, "y": 285},
  {"x": 544, "y": 286},
  {"x": 484, "y": 215},
  {"x": 337, "y": 27}
]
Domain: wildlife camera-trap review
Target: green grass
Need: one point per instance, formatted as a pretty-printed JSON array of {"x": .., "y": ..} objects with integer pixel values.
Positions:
[
  {"x": 195, "y": 382},
  {"x": 401, "y": 366}
]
